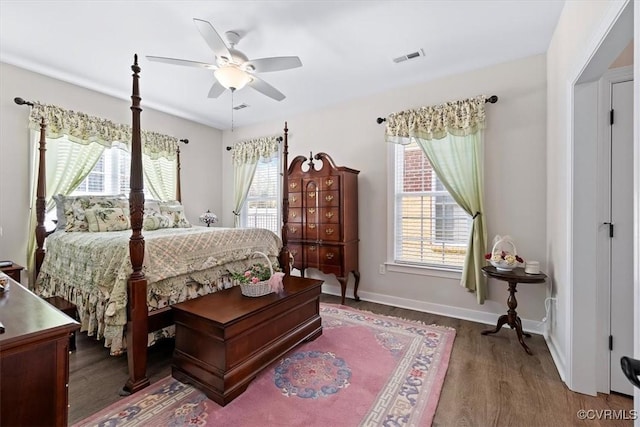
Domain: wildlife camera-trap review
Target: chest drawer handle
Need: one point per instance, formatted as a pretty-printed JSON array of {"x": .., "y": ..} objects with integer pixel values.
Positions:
[
  {"x": 312, "y": 248},
  {"x": 330, "y": 255},
  {"x": 329, "y": 214},
  {"x": 293, "y": 185},
  {"x": 293, "y": 230},
  {"x": 294, "y": 252},
  {"x": 329, "y": 182},
  {"x": 312, "y": 210},
  {"x": 312, "y": 195},
  {"x": 329, "y": 231},
  {"x": 312, "y": 226},
  {"x": 294, "y": 199},
  {"x": 329, "y": 198},
  {"x": 293, "y": 214}
]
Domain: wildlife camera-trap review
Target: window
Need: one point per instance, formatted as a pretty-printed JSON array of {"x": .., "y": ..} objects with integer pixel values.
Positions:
[
  {"x": 429, "y": 227},
  {"x": 262, "y": 207},
  {"x": 110, "y": 175}
]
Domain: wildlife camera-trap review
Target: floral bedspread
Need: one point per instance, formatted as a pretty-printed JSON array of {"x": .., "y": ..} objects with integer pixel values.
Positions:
[{"x": 92, "y": 269}]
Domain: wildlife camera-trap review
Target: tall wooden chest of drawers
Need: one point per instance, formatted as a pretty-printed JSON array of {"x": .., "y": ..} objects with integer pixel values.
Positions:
[{"x": 322, "y": 223}]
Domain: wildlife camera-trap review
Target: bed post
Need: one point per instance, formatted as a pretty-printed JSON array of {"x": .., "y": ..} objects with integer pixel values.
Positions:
[
  {"x": 41, "y": 194},
  {"x": 284, "y": 252},
  {"x": 178, "y": 189},
  {"x": 137, "y": 312}
]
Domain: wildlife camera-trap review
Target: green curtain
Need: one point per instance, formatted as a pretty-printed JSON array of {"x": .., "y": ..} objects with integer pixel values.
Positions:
[
  {"x": 451, "y": 136},
  {"x": 160, "y": 177},
  {"x": 68, "y": 164},
  {"x": 245, "y": 157}
]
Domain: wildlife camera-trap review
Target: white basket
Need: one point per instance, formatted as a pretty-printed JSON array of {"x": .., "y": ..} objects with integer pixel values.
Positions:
[
  {"x": 258, "y": 289},
  {"x": 498, "y": 244}
]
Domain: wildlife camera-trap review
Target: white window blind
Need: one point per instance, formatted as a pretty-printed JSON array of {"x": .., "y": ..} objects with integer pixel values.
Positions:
[
  {"x": 430, "y": 228},
  {"x": 109, "y": 176},
  {"x": 262, "y": 207}
]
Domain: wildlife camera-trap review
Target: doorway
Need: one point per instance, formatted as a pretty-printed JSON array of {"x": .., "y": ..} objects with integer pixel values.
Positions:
[
  {"x": 587, "y": 346},
  {"x": 615, "y": 237}
]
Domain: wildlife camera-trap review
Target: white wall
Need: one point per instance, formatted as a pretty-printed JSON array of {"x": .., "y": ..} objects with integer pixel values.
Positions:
[
  {"x": 580, "y": 29},
  {"x": 201, "y": 162},
  {"x": 515, "y": 180}
]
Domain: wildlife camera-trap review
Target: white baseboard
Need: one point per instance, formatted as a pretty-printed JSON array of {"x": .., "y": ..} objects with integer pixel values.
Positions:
[
  {"x": 531, "y": 326},
  {"x": 556, "y": 355}
]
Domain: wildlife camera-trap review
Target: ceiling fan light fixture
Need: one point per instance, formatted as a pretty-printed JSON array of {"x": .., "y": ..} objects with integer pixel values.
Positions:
[{"x": 232, "y": 77}]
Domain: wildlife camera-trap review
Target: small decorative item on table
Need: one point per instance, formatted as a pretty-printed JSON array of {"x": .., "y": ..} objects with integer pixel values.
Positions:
[
  {"x": 503, "y": 255},
  {"x": 208, "y": 218},
  {"x": 260, "y": 279}
]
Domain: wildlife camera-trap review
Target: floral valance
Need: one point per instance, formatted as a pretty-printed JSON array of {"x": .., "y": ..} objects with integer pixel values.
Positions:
[
  {"x": 458, "y": 118},
  {"x": 82, "y": 128},
  {"x": 246, "y": 152}
]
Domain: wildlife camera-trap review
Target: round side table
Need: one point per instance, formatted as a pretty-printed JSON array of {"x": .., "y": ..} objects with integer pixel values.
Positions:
[{"x": 515, "y": 276}]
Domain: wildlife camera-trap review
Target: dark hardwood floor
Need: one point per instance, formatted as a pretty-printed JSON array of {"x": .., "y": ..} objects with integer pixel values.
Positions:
[{"x": 491, "y": 381}]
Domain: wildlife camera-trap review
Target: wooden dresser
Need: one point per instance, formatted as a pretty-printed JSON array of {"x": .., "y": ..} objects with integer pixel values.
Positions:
[
  {"x": 34, "y": 360},
  {"x": 322, "y": 225}
]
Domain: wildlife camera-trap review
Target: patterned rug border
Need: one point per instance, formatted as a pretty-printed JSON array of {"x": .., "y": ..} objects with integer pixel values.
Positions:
[{"x": 422, "y": 391}]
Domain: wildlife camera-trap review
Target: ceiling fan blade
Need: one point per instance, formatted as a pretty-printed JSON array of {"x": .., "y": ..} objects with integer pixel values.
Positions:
[
  {"x": 279, "y": 63},
  {"x": 188, "y": 63},
  {"x": 216, "y": 90},
  {"x": 266, "y": 89},
  {"x": 212, "y": 38}
]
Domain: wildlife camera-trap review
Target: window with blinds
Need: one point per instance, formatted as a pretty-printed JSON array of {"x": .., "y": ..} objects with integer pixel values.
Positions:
[
  {"x": 430, "y": 228},
  {"x": 262, "y": 207},
  {"x": 109, "y": 176}
]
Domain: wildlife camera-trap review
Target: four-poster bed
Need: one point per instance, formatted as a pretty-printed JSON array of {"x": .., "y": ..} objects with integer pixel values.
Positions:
[{"x": 214, "y": 252}]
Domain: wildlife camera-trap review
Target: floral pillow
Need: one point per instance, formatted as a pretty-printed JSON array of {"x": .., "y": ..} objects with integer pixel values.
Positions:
[
  {"x": 175, "y": 211},
  {"x": 151, "y": 206},
  {"x": 75, "y": 208},
  {"x": 156, "y": 220},
  {"x": 107, "y": 219}
]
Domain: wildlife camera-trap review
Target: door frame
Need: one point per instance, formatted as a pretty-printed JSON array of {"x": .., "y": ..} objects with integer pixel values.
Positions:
[{"x": 603, "y": 195}]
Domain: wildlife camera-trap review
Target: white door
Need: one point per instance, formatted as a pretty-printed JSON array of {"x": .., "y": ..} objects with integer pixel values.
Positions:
[{"x": 622, "y": 240}]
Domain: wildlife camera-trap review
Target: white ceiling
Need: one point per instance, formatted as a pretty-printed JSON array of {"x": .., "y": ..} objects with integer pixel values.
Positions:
[{"x": 346, "y": 47}]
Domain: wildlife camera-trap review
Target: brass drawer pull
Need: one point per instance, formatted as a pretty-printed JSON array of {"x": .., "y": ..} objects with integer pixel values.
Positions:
[
  {"x": 329, "y": 182},
  {"x": 312, "y": 195},
  {"x": 293, "y": 230},
  {"x": 312, "y": 210},
  {"x": 312, "y": 248},
  {"x": 294, "y": 252},
  {"x": 293, "y": 214},
  {"x": 312, "y": 226},
  {"x": 329, "y": 198},
  {"x": 293, "y": 185},
  {"x": 294, "y": 199},
  {"x": 329, "y": 214},
  {"x": 329, "y": 231},
  {"x": 330, "y": 255}
]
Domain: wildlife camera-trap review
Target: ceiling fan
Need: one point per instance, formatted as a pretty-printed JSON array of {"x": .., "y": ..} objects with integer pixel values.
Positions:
[{"x": 233, "y": 69}]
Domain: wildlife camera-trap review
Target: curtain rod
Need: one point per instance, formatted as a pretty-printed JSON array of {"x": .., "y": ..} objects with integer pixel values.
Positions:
[
  {"x": 491, "y": 100},
  {"x": 229, "y": 148},
  {"x": 21, "y": 101}
]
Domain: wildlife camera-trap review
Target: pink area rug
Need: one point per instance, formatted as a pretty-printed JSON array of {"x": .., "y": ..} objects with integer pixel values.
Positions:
[{"x": 365, "y": 369}]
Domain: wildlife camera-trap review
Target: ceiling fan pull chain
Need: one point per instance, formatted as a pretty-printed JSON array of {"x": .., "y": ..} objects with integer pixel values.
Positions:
[{"x": 232, "y": 109}]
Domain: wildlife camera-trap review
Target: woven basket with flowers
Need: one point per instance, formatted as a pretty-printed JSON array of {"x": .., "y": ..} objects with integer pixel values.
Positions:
[
  {"x": 503, "y": 255},
  {"x": 260, "y": 279}
]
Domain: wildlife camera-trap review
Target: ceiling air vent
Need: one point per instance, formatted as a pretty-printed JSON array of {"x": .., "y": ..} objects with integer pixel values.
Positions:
[
  {"x": 408, "y": 56},
  {"x": 240, "y": 107}
]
